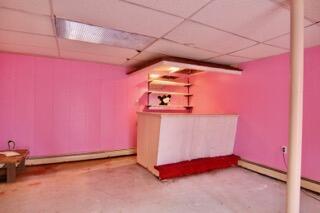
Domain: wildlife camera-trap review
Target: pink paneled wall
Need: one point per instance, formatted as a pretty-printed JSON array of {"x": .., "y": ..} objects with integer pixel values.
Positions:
[
  {"x": 55, "y": 107},
  {"x": 261, "y": 97}
]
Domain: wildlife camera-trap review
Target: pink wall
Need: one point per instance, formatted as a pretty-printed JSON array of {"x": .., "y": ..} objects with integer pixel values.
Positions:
[
  {"x": 261, "y": 97},
  {"x": 55, "y": 107}
]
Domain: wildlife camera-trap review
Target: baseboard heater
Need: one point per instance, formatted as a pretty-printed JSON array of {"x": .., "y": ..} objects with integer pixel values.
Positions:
[
  {"x": 277, "y": 174},
  {"x": 79, "y": 157}
]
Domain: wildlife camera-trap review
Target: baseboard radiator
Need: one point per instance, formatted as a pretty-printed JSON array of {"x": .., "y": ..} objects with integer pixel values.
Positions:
[
  {"x": 279, "y": 175},
  {"x": 79, "y": 157}
]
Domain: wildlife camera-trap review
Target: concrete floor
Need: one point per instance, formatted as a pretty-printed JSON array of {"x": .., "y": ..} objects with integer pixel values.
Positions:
[{"x": 119, "y": 185}]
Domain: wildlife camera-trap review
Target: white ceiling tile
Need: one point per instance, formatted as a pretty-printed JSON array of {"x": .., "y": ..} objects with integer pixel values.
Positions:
[
  {"x": 18, "y": 48},
  {"x": 259, "y": 20},
  {"x": 311, "y": 38},
  {"x": 32, "y": 6},
  {"x": 96, "y": 49},
  {"x": 197, "y": 35},
  {"x": 259, "y": 51},
  {"x": 282, "y": 41},
  {"x": 229, "y": 59},
  {"x": 19, "y": 38},
  {"x": 183, "y": 8},
  {"x": 91, "y": 57},
  {"x": 147, "y": 56},
  {"x": 179, "y": 50},
  {"x": 116, "y": 14},
  {"x": 25, "y": 22},
  {"x": 311, "y": 8}
]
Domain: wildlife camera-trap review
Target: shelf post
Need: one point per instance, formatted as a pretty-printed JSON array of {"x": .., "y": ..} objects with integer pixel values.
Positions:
[
  {"x": 188, "y": 97},
  {"x": 148, "y": 95}
]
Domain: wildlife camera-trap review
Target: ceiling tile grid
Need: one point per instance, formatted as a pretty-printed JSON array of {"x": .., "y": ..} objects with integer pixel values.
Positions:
[
  {"x": 32, "y": 6},
  {"x": 311, "y": 38},
  {"x": 311, "y": 8},
  {"x": 25, "y": 22},
  {"x": 174, "y": 49},
  {"x": 258, "y": 20},
  {"x": 197, "y": 35},
  {"x": 91, "y": 57},
  {"x": 229, "y": 59},
  {"x": 182, "y": 8},
  {"x": 96, "y": 49},
  {"x": 220, "y": 31},
  {"x": 259, "y": 51}
]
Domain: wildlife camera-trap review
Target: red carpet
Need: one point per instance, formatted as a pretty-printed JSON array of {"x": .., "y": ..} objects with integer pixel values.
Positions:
[{"x": 195, "y": 166}]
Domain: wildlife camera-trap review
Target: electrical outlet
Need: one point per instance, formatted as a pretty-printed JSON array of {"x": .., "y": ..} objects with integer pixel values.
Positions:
[{"x": 284, "y": 149}]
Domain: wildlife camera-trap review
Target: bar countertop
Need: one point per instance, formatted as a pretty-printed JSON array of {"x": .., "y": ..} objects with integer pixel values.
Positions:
[{"x": 184, "y": 114}]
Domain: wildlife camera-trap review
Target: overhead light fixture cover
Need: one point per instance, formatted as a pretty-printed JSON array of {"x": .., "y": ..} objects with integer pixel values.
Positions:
[
  {"x": 174, "y": 69},
  {"x": 94, "y": 34},
  {"x": 154, "y": 75}
]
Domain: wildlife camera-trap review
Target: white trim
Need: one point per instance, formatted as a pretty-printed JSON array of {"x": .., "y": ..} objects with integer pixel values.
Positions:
[
  {"x": 79, "y": 157},
  {"x": 307, "y": 184}
]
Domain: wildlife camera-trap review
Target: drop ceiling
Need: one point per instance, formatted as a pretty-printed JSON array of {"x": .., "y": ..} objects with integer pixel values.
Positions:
[{"x": 219, "y": 31}]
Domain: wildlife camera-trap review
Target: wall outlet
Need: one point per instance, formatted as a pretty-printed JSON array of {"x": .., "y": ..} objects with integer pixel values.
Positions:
[{"x": 284, "y": 149}]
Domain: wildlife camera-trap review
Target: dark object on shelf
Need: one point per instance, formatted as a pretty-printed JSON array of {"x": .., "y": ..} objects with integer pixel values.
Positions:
[
  {"x": 164, "y": 99},
  {"x": 11, "y": 145},
  {"x": 169, "y": 77}
]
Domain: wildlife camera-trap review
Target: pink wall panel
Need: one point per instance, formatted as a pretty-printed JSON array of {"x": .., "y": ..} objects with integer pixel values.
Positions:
[
  {"x": 311, "y": 133},
  {"x": 43, "y": 106},
  {"x": 55, "y": 107},
  {"x": 261, "y": 97}
]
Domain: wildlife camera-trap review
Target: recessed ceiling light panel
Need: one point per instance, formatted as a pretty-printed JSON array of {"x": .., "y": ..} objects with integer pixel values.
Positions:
[
  {"x": 154, "y": 75},
  {"x": 174, "y": 69},
  {"x": 94, "y": 34}
]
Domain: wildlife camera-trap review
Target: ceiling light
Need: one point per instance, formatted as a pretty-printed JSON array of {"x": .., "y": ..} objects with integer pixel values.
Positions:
[
  {"x": 154, "y": 75},
  {"x": 174, "y": 69},
  {"x": 94, "y": 34}
]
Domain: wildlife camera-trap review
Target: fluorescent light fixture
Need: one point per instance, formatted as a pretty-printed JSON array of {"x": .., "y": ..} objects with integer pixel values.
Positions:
[
  {"x": 94, "y": 34},
  {"x": 173, "y": 69}
]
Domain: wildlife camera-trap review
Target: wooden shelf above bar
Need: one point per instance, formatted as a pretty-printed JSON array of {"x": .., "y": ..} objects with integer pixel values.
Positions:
[
  {"x": 169, "y": 93},
  {"x": 169, "y": 83},
  {"x": 169, "y": 106}
]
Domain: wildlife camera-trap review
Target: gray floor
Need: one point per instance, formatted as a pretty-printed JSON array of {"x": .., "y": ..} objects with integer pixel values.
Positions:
[{"x": 119, "y": 185}]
